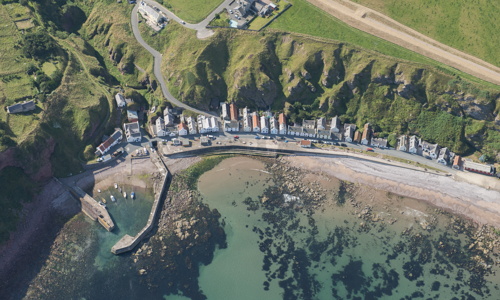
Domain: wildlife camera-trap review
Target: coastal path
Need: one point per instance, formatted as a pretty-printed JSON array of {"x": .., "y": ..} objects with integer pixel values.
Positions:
[{"x": 379, "y": 25}]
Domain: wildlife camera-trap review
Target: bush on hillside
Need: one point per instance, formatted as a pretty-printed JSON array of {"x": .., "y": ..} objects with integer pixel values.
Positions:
[
  {"x": 38, "y": 44},
  {"x": 88, "y": 153}
]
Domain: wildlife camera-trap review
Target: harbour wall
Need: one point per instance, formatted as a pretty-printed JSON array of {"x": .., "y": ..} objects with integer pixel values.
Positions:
[{"x": 127, "y": 243}]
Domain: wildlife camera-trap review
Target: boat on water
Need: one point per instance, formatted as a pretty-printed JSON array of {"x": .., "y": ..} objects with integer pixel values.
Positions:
[
  {"x": 125, "y": 195},
  {"x": 113, "y": 198},
  {"x": 132, "y": 195},
  {"x": 99, "y": 190},
  {"x": 103, "y": 200},
  {"x": 102, "y": 204},
  {"x": 116, "y": 186},
  {"x": 120, "y": 189}
]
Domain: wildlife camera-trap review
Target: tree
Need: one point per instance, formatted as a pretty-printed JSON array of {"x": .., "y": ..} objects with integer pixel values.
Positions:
[
  {"x": 88, "y": 153},
  {"x": 38, "y": 44},
  {"x": 31, "y": 68}
]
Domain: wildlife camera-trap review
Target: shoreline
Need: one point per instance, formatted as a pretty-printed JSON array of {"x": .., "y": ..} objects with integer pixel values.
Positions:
[{"x": 465, "y": 199}]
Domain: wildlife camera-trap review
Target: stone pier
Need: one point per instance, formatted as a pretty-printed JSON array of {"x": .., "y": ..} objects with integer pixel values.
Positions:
[
  {"x": 127, "y": 243},
  {"x": 94, "y": 210}
]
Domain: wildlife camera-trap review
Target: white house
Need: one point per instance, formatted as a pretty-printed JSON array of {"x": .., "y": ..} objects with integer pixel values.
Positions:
[
  {"x": 201, "y": 127},
  {"x": 282, "y": 122},
  {"x": 215, "y": 124},
  {"x": 321, "y": 124},
  {"x": 114, "y": 139},
  {"x": 255, "y": 123},
  {"x": 324, "y": 134},
  {"x": 160, "y": 127},
  {"x": 246, "y": 112},
  {"x": 191, "y": 125},
  {"x": 310, "y": 124},
  {"x": 367, "y": 134},
  {"x": 264, "y": 125},
  {"x": 247, "y": 123},
  {"x": 132, "y": 132},
  {"x": 444, "y": 156},
  {"x": 434, "y": 151},
  {"x": 273, "y": 125},
  {"x": 349, "y": 132},
  {"x": 379, "y": 142},
  {"x": 295, "y": 130},
  {"x": 120, "y": 100},
  {"x": 308, "y": 132},
  {"x": 168, "y": 119},
  {"x": 225, "y": 112},
  {"x": 182, "y": 129},
  {"x": 335, "y": 125},
  {"x": 403, "y": 143},
  {"x": 231, "y": 126},
  {"x": 149, "y": 13},
  {"x": 413, "y": 147}
]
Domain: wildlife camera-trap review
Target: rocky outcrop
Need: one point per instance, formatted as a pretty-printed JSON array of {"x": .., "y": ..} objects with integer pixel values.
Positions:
[
  {"x": 37, "y": 165},
  {"x": 475, "y": 108}
]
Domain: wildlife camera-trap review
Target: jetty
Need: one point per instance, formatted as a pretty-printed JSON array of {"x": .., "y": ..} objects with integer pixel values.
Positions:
[
  {"x": 127, "y": 243},
  {"x": 93, "y": 209}
]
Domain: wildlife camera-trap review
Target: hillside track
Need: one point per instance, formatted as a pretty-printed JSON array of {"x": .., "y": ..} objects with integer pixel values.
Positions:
[{"x": 379, "y": 25}]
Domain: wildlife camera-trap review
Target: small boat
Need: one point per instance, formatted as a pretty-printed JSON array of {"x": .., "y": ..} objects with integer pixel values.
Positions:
[
  {"x": 113, "y": 198},
  {"x": 116, "y": 186},
  {"x": 120, "y": 189},
  {"x": 132, "y": 195},
  {"x": 125, "y": 195},
  {"x": 103, "y": 200},
  {"x": 99, "y": 190},
  {"x": 102, "y": 204}
]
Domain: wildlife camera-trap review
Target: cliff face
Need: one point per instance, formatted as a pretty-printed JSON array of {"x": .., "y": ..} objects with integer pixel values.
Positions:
[{"x": 309, "y": 78}]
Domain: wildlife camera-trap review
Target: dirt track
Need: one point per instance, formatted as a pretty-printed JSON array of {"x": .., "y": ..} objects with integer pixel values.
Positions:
[{"x": 379, "y": 25}]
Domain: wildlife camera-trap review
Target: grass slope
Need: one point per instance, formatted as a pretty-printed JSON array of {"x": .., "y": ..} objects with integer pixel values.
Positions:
[
  {"x": 191, "y": 11},
  {"x": 305, "y": 18},
  {"x": 470, "y": 26},
  {"x": 395, "y": 96}
]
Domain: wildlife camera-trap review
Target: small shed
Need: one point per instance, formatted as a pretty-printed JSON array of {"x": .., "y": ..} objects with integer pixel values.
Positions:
[
  {"x": 305, "y": 144},
  {"x": 457, "y": 162},
  {"x": 204, "y": 141},
  {"x": 185, "y": 142}
]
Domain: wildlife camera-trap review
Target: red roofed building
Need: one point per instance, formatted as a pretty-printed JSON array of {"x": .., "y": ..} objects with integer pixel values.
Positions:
[
  {"x": 282, "y": 122},
  {"x": 234, "y": 112},
  {"x": 114, "y": 139},
  {"x": 183, "y": 130},
  {"x": 255, "y": 122}
]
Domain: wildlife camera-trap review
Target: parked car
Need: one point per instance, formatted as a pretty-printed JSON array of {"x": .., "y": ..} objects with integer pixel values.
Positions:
[
  {"x": 211, "y": 137},
  {"x": 343, "y": 145},
  {"x": 257, "y": 137},
  {"x": 231, "y": 11},
  {"x": 236, "y": 137},
  {"x": 145, "y": 151},
  {"x": 369, "y": 149},
  {"x": 183, "y": 23}
]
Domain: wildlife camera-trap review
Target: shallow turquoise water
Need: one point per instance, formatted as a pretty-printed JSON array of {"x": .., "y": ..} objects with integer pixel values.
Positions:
[
  {"x": 341, "y": 260},
  {"x": 129, "y": 215}
]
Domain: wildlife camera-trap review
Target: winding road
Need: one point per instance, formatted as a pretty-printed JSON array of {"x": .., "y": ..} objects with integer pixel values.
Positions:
[{"x": 201, "y": 33}]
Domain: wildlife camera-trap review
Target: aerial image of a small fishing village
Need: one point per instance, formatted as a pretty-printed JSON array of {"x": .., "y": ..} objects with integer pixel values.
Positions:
[{"x": 249, "y": 149}]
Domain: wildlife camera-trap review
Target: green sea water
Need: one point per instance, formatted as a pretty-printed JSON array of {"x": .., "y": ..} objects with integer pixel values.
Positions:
[{"x": 277, "y": 252}]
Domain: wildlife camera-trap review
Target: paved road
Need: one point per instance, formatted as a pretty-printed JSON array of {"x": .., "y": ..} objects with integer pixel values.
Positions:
[{"x": 157, "y": 61}]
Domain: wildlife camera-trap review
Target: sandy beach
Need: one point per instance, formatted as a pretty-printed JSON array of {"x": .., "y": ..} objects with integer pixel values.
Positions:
[{"x": 474, "y": 202}]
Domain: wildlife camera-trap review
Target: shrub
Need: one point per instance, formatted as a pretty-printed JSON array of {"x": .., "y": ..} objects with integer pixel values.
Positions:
[
  {"x": 38, "y": 44},
  {"x": 88, "y": 153}
]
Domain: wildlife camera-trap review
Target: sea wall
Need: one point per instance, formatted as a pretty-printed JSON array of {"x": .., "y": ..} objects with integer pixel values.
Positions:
[{"x": 127, "y": 243}]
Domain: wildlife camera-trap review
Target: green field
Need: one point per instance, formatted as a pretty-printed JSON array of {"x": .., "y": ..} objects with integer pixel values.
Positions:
[
  {"x": 191, "y": 11},
  {"x": 48, "y": 68},
  {"x": 17, "y": 12},
  {"x": 470, "y": 26},
  {"x": 298, "y": 19}
]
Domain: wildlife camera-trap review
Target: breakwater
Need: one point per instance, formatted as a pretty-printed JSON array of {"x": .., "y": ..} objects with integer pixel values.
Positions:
[{"x": 127, "y": 243}]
